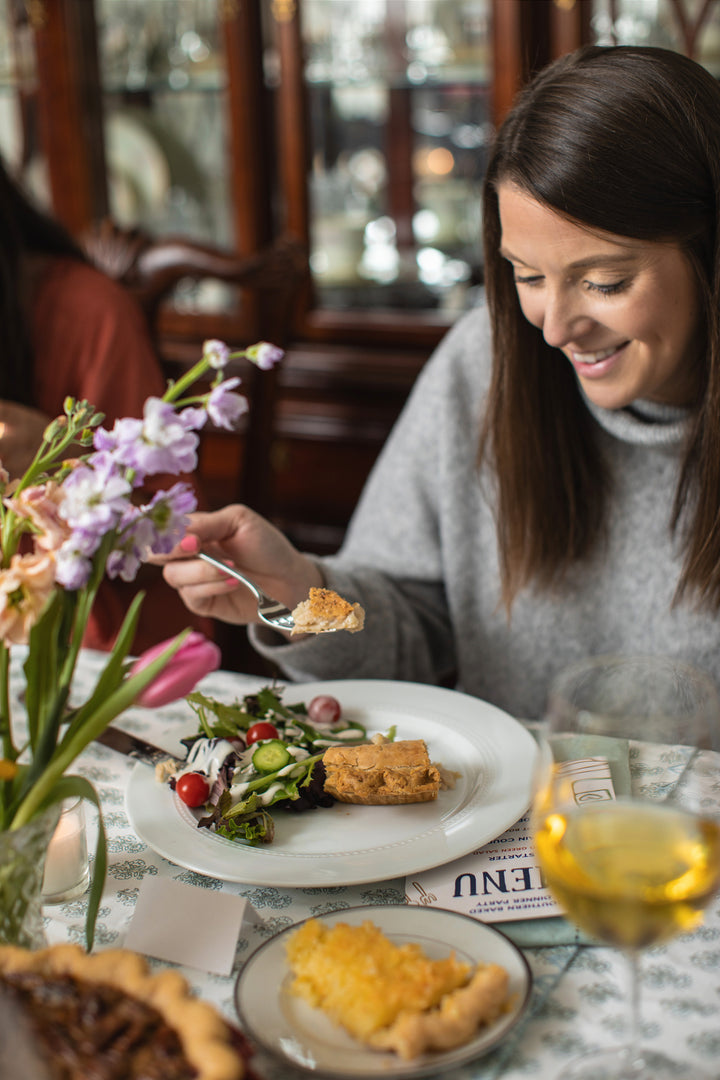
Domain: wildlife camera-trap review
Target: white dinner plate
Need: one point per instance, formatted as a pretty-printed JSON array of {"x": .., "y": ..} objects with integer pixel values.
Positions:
[
  {"x": 353, "y": 845},
  {"x": 289, "y": 1028}
]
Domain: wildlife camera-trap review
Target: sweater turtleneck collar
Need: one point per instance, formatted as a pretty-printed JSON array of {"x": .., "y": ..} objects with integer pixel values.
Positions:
[{"x": 644, "y": 423}]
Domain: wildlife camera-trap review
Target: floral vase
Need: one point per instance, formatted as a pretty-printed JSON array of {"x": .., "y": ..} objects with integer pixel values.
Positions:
[{"x": 22, "y": 863}]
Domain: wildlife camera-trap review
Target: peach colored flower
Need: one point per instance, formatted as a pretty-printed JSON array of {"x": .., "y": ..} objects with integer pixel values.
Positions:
[
  {"x": 41, "y": 504},
  {"x": 25, "y": 588}
]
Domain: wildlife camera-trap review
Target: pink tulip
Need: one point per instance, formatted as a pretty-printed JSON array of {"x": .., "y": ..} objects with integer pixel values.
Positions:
[{"x": 195, "y": 658}]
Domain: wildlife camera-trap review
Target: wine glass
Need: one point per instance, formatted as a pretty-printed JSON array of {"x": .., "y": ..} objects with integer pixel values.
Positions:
[{"x": 626, "y": 817}]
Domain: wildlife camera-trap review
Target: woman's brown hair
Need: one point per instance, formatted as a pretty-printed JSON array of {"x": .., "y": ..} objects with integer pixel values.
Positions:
[{"x": 624, "y": 140}]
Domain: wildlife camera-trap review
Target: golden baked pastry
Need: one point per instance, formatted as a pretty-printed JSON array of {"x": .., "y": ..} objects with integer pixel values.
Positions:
[
  {"x": 392, "y": 997},
  {"x": 325, "y": 610},
  {"x": 381, "y": 774},
  {"x": 106, "y": 1015}
]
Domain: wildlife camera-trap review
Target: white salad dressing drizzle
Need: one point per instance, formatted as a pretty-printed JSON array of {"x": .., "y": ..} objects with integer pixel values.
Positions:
[
  {"x": 351, "y": 734},
  {"x": 207, "y": 756},
  {"x": 239, "y": 790}
]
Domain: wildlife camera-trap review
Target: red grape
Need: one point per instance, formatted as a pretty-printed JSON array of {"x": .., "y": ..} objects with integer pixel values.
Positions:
[{"x": 324, "y": 709}]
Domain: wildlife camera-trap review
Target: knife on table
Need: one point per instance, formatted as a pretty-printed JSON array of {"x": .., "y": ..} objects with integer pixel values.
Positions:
[{"x": 132, "y": 746}]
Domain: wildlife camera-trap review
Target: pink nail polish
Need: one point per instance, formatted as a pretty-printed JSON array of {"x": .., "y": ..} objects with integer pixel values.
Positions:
[{"x": 190, "y": 544}]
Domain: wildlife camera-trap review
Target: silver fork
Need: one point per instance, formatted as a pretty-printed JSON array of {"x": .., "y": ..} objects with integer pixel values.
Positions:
[{"x": 270, "y": 611}]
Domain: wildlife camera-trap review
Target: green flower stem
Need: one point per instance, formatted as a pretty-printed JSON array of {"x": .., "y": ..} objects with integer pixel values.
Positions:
[
  {"x": 113, "y": 673},
  {"x": 41, "y": 792},
  {"x": 85, "y": 601},
  {"x": 196, "y": 399},
  {"x": 176, "y": 389},
  {"x": 48, "y": 453},
  {"x": 5, "y": 714},
  {"x": 9, "y": 751},
  {"x": 46, "y": 701}
]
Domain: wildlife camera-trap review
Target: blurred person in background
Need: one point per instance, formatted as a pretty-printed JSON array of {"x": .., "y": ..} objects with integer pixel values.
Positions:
[{"x": 69, "y": 330}]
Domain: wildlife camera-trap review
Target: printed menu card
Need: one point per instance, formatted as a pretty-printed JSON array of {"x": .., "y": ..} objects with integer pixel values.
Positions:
[
  {"x": 501, "y": 882},
  {"x": 497, "y": 883}
]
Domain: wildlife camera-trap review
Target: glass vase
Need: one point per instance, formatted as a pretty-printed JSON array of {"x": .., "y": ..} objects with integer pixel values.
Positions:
[{"x": 22, "y": 863}]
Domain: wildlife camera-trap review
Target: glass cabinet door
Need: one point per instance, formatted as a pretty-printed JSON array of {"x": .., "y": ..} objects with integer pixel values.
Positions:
[
  {"x": 397, "y": 96},
  {"x": 688, "y": 26},
  {"x": 181, "y": 90},
  {"x": 19, "y": 144},
  {"x": 164, "y": 85}
]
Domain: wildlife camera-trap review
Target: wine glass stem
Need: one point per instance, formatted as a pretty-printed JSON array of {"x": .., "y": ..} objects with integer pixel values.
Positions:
[{"x": 635, "y": 1064}]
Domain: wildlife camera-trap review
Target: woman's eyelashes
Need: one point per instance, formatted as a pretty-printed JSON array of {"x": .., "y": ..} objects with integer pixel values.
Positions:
[
  {"x": 610, "y": 289},
  {"x": 607, "y": 290}
]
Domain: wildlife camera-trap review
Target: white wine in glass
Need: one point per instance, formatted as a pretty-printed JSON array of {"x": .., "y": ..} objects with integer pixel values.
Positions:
[{"x": 626, "y": 816}]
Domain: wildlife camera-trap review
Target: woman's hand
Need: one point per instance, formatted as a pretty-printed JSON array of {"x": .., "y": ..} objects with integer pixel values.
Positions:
[
  {"x": 21, "y": 432},
  {"x": 239, "y": 536}
]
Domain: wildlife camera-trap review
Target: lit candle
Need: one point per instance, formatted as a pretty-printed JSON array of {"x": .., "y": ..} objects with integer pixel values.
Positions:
[{"x": 66, "y": 863}]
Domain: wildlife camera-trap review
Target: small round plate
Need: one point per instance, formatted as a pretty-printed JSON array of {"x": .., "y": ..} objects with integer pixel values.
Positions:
[{"x": 288, "y": 1028}]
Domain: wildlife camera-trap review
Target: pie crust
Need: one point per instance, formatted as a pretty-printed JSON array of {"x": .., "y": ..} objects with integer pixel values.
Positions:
[
  {"x": 326, "y": 610},
  {"x": 212, "y": 1049},
  {"x": 381, "y": 774}
]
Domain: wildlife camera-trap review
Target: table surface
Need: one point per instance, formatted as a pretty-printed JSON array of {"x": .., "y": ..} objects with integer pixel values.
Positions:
[{"x": 579, "y": 998}]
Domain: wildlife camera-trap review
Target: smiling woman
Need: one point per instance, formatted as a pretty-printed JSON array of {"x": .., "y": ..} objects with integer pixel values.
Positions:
[
  {"x": 609, "y": 153},
  {"x": 552, "y": 488}
]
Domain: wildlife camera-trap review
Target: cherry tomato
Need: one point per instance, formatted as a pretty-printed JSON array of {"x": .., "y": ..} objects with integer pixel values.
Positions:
[
  {"x": 193, "y": 789},
  {"x": 324, "y": 709},
  {"x": 261, "y": 730}
]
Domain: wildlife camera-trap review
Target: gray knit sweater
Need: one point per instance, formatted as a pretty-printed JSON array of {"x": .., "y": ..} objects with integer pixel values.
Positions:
[{"x": 421, "y": 556}]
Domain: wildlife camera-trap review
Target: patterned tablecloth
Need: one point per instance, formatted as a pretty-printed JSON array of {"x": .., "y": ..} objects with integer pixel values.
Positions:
[{"x": 579, "y": 998}]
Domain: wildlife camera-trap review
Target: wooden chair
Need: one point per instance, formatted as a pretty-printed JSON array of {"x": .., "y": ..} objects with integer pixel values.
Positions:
[{"x": 151, "y": 267}]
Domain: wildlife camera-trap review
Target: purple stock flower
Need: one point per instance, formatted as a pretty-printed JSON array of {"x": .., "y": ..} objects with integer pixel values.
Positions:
[
  {"x": 135, "y": 535},
  {"x": 225, "y": 408},
  {"x": 162, "y": 442},
  {"x": 95, "y": 496},
  {"x": 193, "y": 418},
  {"x": 216, "y": 353},
  {"x": 73, "y": 559},
  {"x": 72, "y": 569},
  {"x": 264, "y": 354},
  {"x": 167, "y": 513},
  {"x": 124, "y": 562},
  {"x": 126, "y": 432},
  {"x": 154, "y": 528}
]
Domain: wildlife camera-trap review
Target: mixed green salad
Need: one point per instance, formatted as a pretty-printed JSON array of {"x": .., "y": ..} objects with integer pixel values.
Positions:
[{"x": 256, "y": 754}]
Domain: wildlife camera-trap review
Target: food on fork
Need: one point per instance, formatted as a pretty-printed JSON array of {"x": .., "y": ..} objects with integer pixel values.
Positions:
[
  {"x": 393, "y": 997},
  {"x": 96, "y": 1015},
  {"x": 381, "y": 773},
  {"x": 325, "y": 610}
]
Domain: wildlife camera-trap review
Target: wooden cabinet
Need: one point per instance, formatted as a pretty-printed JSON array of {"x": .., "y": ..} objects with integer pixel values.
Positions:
[
  {"x": 359, "y": 127},
  {"x": 384, "y": 113}
]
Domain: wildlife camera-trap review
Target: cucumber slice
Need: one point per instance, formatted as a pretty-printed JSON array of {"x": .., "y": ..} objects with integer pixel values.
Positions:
[{"x": 271, "y": 755}]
